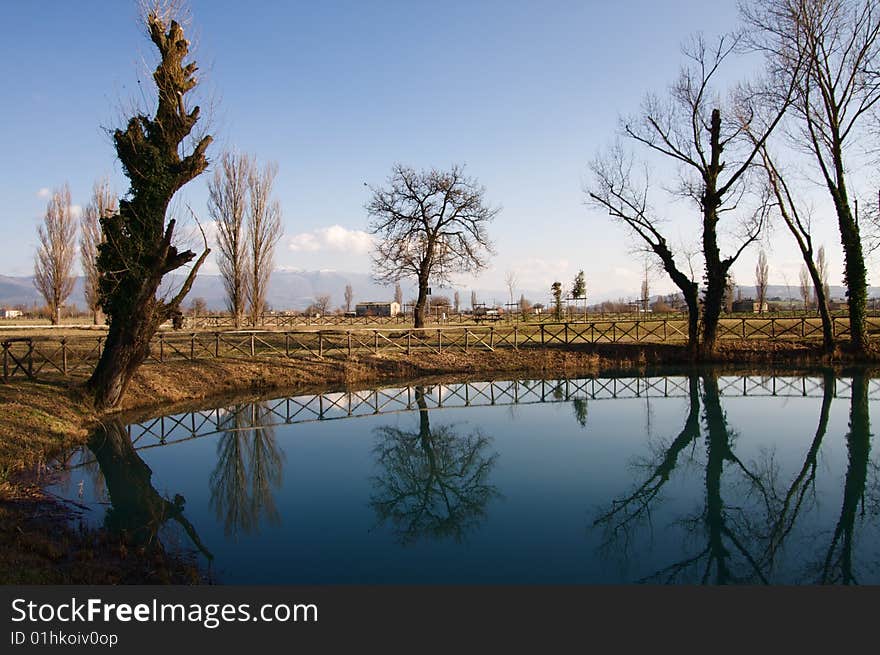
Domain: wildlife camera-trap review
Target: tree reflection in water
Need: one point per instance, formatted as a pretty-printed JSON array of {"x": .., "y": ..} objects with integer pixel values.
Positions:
[
  {"x": 249, "y": 469},
  {"x": 137, "y": 510},
  {"x": 744, "y": 542},
  {"x": 432, "y": 483},
  {"x": 838, "y": 565}
]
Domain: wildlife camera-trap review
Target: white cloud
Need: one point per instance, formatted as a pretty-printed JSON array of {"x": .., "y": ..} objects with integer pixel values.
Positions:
[
  {"x": 304, "y": 242},
  {"x": 334, "y": 238},
  {"x": 43, "y": 192}
]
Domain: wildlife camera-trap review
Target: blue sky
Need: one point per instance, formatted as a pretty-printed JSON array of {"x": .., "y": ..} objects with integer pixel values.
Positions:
[{"x": 522, "y": 93}]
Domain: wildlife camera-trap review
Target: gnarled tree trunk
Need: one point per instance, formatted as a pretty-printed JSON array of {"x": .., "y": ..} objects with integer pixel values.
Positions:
[{"x": 136, "y": 251}]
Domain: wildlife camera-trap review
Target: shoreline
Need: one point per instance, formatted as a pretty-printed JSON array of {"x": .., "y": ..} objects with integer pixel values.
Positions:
[{"x": 41, "y": 419}]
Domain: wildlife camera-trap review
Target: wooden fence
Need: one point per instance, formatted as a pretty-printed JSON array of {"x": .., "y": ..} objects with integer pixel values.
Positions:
[{"x": 30, "y": 357}]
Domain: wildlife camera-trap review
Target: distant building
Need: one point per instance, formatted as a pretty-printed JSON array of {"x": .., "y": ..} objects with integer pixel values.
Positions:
[
  {"x": 377, "y": 309},
  {"x": 10, "y": 313},
  {"x": 749, "y": 306}
]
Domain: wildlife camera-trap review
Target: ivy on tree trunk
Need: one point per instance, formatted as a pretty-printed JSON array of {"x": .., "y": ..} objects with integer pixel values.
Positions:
[{"x": 137, "y": 250}]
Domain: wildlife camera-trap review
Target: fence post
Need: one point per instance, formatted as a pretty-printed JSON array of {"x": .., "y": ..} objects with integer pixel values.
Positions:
[
  {"x": 287, "y": 344},
  {"x": 216, "y": 344},
  {"x": 5, "y": 361},
  {"x": 637, "y": 333},
  {"x": 30, "y": 356},
  {"x": 542, "y": 334},
  {"x": 409, "y": 342},
  {"x": 515, "y": 340},
  {"x": 349, "y": 343},
  {"x": 665, "y": 323},
  {"x": 253, "y": 349},
  {"x": 439, "y": 340},
  {"x": 467, "y": 334},
  {"x": 161, "y": 348},
  {"x": 744, "y": 327},
  {"x": 192, "y": 347},
  {"x": 566, "y": 334},
  {"x": 492, "y": 337},
  {"x": 64, "y": 356},
  {"x": 376, "y": 341},
  {"x": 320, "y": 344}
]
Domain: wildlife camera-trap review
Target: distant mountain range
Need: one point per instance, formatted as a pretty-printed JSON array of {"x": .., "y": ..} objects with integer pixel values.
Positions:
[
  {"x": 287, "y": 290},
  {"x": 297, "y": 290}
]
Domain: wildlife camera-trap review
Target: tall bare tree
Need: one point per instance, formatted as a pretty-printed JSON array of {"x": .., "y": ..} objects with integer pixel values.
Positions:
[
  {"x": 730, "y": 294},
  {"x": 228, "y": 204},
  {"x": 473, "y": 299},
  {"x": 103, "y": 204},
  {"x": 798, "y": 222},
  {"x": 806, "y": 286},
  {"x": 137, "y": 250},
  {"x": 56, "y": 251},
  {"x": 646, "y": 288},
  {"x": 263, "y": 233},
  {"x": 762, "y": 274},
  {"x": 431, "y": 224},
  {"x": 456, "y": 301},
  {"x": 349, "y": 296},
  {"x": 716, "y": 157},
  {"x": 828, "y": 49},
  {"x": 510, "y": 282},
  {"x": 398, "y": 294},
  {"x": 822, "y": 269}
]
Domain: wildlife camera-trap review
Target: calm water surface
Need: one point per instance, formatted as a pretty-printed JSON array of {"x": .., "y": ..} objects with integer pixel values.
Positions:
[{"x": 713, "y": 478}]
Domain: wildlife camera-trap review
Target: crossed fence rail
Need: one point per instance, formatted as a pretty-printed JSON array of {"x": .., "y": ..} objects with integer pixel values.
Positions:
[
  {"x": 329, "y": 406},
  {"x": 27, "y": 357}
]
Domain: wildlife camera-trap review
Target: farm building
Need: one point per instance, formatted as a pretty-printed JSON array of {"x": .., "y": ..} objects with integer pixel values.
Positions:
[
  {"x": 10, "y": 313},
  {"x": 749, "y": 306},
  {"x": 377, "y": 309}
]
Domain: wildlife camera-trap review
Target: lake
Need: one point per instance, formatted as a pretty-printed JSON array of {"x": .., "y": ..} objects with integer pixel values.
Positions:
[{"x": 707, "y": 478}]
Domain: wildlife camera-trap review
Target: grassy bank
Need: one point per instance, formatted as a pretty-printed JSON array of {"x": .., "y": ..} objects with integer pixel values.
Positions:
[{"x": 39, "y": 542}]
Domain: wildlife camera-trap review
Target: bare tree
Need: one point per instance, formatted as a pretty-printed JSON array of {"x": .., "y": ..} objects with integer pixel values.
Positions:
[
  {"x": 510, "y": 282},
  {"x": 349, "y": 295},
  {"x": 456, "y": 300},
  {"x": 828, "y": 50},
  {"x": 322, "y": 303},
  {"x": 730, "y": 293},
  {"x": 263, "y": 233},
  {"x": 398, "y": 294},
  {"x": 228, "y": 204},
  {"x": 430, "y": 225},
  {"x": 799, "y": 225},
  {"x": 102, "y": 205},
  {"x": 617, "y": 189},
  {"x": 473, "y": 299},
  {"x": 715, "y": 156},
  {"x": 822, "y": 270},
  {"x": 762, "y": 272},
  {"x": 53, "y": 262},
  {"x": 646, "y": 288},
  {"x": 198, "y": 307},
  {"x": 806, "y": 286},
  {"x": 137, "y": 251}
]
